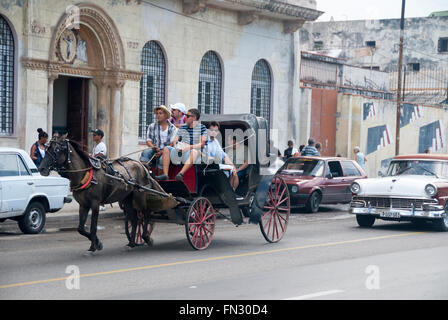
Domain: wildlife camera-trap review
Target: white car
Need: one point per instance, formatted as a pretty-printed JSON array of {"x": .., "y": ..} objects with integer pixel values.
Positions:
[
  {"x": 25, "y": 195},
  {"x": 415, "y": 189}
]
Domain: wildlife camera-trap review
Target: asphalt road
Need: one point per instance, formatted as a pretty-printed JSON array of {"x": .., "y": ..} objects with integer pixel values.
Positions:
[{"x": 322, "y": 256}]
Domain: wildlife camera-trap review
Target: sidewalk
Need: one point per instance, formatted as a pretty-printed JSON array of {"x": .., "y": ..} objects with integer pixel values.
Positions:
[{"x": 71, "y": 211}]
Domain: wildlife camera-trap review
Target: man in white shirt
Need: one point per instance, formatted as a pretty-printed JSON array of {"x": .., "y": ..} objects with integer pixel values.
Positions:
[{"x": 100, "y": 149}]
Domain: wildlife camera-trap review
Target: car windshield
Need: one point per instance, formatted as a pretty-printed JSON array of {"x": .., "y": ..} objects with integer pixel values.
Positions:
[
  {"x": 418, "y": 167},
  {"x": 303, "y": 167}
]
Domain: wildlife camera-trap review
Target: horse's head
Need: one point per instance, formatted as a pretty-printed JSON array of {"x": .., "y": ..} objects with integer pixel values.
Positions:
[{"x": 56, "y": 155}]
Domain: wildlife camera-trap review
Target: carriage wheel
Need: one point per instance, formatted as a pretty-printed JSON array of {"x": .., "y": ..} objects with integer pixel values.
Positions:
[
  {"x": 200, "y": 223},
  {"x": 139, "y": 231},
  {"x": 276, "y": 211}
]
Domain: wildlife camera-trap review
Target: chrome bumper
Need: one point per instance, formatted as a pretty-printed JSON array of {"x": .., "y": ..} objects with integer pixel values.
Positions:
[{"x": 390, "y": 213}]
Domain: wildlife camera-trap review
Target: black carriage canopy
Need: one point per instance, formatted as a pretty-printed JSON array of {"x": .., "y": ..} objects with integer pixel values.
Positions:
[{"x": 249, "y": 129}]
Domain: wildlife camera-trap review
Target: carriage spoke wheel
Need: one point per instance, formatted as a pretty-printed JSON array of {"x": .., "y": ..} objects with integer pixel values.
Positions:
[
  {"x": 276, "y": 211},
  {"x": 139, "y": 230},
  {"x": 200, "y": 223}
]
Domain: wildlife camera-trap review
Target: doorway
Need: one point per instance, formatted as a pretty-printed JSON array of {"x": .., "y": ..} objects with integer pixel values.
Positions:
[{"x": 71, "y": 108}]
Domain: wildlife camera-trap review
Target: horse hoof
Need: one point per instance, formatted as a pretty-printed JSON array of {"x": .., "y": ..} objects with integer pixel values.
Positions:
[
  {"x": 100, "y": 246},
  {"x": 88, "y": 253},
  {"x": 131, "y": 245}
]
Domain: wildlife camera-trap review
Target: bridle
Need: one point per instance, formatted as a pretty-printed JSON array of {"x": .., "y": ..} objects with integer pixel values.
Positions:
[{"x": 53, "y": 164}]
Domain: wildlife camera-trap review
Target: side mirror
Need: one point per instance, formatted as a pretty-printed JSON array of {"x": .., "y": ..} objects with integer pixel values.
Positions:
[
  {"x": 329, "y": 176},
  {"x": 380, "y": 174}
]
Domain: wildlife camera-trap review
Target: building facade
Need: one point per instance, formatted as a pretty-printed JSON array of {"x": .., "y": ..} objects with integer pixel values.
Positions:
[{"x": 72, "y": 67}]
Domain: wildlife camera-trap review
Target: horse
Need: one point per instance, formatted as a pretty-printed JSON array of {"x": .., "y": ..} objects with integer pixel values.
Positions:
[{"x": 92, "y": 187}]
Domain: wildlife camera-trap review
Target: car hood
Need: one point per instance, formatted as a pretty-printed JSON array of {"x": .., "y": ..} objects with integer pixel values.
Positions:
[
  {"x": 295, "y": 178},
  {"x": 397, "y": 186}
]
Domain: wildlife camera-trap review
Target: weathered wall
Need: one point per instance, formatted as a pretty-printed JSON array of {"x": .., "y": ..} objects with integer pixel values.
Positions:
[
  {"x": 370, "y": 124},
  {"x": 347, "y": 39}
]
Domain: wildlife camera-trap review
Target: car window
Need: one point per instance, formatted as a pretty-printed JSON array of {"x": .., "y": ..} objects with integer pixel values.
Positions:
[
  {"x": 8, "y": 165},
  {"x": 335, "y": 169},
  {"x": 350, "y": 169},
  {"x": 22, "y": 168}
]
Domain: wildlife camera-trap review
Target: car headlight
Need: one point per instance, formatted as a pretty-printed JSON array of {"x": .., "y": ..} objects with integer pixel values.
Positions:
[
  {"x": 431, "y": 190},
  {"x": 294, "y": 189},
  {"x": 355, "y": 188}
]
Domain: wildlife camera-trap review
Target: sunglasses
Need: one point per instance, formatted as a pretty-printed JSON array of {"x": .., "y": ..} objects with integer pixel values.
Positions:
[{"x": 189, "y": 115}]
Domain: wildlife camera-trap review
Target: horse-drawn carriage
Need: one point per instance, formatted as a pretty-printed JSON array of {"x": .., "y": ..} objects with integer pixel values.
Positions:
[{"x": 261, "y": 197}]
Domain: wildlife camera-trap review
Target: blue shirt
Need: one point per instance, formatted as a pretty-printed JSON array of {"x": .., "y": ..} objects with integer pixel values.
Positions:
[
  {"x": 360, "y": 159},
  {"x": 214, "y": 150}
]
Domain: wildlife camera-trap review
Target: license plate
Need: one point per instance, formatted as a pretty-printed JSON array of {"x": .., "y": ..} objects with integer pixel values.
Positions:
[{"x": 390, "y": 214}]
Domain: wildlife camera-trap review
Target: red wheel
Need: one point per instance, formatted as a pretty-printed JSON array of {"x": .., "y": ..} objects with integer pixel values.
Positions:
[
  {"x": 139, "y": 231},
  {"x": 200, "y": 223},
  {"x": 276, "y": 211}
]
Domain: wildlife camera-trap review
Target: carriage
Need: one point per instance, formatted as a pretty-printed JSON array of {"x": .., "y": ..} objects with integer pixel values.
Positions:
[{"x": 261, "y": 198}]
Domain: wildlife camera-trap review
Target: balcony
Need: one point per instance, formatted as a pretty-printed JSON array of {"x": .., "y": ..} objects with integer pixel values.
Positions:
[{"x": 289, "y": 12}]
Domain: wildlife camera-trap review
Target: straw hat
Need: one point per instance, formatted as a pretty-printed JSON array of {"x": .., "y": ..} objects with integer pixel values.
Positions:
[{"x": 164, "y": 109}]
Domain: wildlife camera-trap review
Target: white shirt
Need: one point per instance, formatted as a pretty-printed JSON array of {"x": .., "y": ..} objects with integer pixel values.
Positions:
[{"x": 99, "y": 148}]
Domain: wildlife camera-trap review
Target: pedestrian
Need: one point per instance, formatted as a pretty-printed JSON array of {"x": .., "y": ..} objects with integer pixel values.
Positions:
[
  {"x": 290, "y": 151},
  {"x": 178, "y": 112},
  {"x": 360, "y": 157},
  {"x": 310, "y": 149},
  {"x": 100, "y": 149},
  {"x": 318, "y": 147},
  {"x": 427, "y": 150},
  {"x": 37, "y": 152}
]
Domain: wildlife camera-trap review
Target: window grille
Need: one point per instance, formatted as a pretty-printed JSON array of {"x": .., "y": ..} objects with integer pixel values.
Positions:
[
  {"x": 210, "y": 80},
  {"x": 261, "y": 91},
  {"x": 6, "y": 79},
  {"x": 152, "y": 85}
]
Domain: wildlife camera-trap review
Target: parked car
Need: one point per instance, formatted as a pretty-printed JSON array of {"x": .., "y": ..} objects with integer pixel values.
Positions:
[
  {"x": 25, "y": 195},
  {"x": 415, "y": 189},
  {"x": 313, "y": 181}
]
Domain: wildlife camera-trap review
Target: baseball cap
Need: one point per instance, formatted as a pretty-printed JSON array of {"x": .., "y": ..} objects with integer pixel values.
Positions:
[
  {"x": 179, "y": 106},
  {"x": 98, "y": 132}
]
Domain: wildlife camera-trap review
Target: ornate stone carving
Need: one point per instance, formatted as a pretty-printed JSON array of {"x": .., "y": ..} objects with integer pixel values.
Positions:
[
  {"x": 246, "y": 17},
  {"x": 292, "y": 26},
  {"x": 193, "y": 6},
  {"x": 66, "y": 46}
]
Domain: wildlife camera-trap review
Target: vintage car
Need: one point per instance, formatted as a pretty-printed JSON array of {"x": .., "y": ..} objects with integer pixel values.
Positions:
[
  {"x": 415, "y": 188},
  {"x": 25, "y": 195},
  {"x": 313, "y": 181}
]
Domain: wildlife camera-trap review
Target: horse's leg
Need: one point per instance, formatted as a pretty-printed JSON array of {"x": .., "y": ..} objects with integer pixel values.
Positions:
[
  {"x": 131, "y": 213},
  {"x": 95, "y": 242},
  {"x": 83, "y": 214}
]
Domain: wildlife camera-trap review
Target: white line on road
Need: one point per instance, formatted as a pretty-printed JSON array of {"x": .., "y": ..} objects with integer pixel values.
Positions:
[{"x": 315, "y": 295}]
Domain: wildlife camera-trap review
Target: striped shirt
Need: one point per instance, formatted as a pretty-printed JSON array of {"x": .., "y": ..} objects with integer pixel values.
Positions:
[{"x": 192, "y": 136}]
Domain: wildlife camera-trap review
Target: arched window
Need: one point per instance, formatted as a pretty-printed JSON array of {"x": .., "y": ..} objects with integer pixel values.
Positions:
[
  {"x": 210, "y": 80},
  {"x": 260, "y": 100},
  {"x": 6, "y": 79},
  {"x": 152, "y": 84}
]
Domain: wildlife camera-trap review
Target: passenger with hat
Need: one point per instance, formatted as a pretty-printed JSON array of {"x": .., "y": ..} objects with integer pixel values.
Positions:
[
  {"x": 159, "y": 135},
  {"x": 99, "y": 150},
  {"x": 178, "y": 112}
]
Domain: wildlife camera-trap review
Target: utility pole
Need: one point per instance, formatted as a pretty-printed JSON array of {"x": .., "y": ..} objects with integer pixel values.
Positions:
[{"x": 400, "y": 64}]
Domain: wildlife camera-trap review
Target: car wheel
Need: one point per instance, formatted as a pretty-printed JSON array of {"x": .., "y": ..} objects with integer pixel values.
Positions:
[
  {"x": 441, "y": 224},
  {"x": 365, "y": 221},
  {"x": 313, "y": 202},
  {"x": 33, "y": 221}
]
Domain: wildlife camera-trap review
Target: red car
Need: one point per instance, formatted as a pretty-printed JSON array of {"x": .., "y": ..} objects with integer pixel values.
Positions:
[{"x": 313, "y": 181}]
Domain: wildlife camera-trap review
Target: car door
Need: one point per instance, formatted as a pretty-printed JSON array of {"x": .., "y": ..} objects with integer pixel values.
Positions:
[
  {"x": 17, "y": 183},
  {"x": 334, "y": 189},
  {"x": 351, "y": 173}
]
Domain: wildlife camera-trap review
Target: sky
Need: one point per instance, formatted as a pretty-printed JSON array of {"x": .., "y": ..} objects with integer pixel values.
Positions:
[{"x": 377, "y": 9}]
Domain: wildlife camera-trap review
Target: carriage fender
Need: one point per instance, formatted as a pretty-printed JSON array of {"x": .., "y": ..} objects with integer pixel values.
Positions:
[{"x": 261, "y": 193}]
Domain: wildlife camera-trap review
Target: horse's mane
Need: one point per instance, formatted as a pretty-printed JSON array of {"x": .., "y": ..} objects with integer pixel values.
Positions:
[{"x": 80, "y": 150}]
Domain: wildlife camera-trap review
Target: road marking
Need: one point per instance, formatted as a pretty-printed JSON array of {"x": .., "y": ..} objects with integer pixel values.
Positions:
[
  {"x": 315, "y": 295},
  {"x": 178, "y": 263}
]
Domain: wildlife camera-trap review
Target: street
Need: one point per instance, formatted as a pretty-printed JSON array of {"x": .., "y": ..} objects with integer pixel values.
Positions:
[{"x": 322, "y": 256}]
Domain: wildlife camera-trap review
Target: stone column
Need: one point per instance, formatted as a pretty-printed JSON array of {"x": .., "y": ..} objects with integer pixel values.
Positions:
[
  {"x": 114, "y": 113},
  {"x": 51, "y": 79},
  {"x": 101, "y": 115}
]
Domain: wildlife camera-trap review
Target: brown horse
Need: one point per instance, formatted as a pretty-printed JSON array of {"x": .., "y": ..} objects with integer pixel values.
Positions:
[{"x": 91, "y": 187}]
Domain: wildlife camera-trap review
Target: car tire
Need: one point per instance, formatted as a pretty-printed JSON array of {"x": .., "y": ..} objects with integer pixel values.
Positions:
[
  {"x": 365, "y": 221},
  {"x": 313, "y": 202},
  {"x": 441, "y": 224},
  {"x": 33, "y": 221}
]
